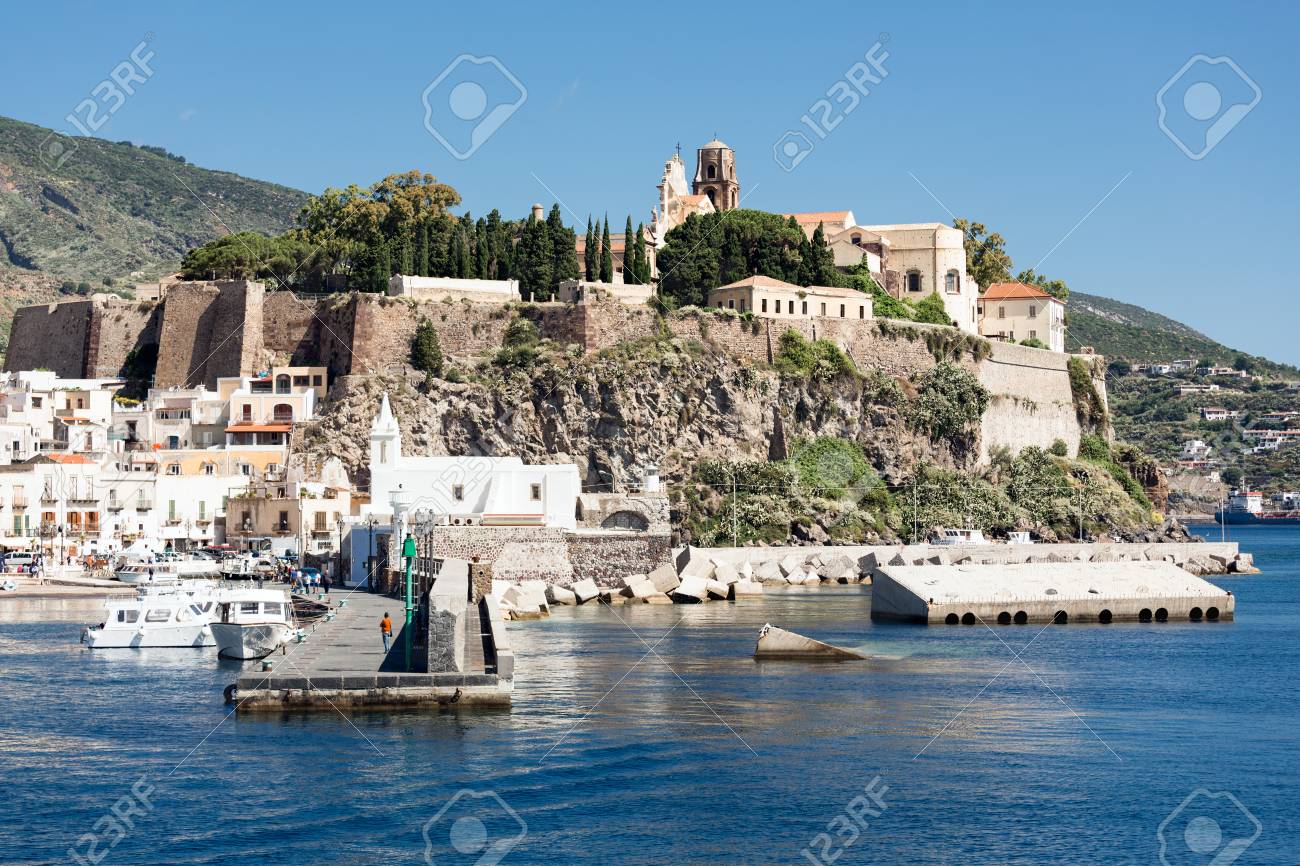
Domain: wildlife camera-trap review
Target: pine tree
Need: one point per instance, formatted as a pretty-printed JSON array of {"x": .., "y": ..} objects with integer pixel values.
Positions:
[
  {"x": 464, "y": 266},
  {"x": 590, "y": 253},
  {"x": 807, "y": 266},
  {"x": 606, "y": 255},
  {"x": 535, "y": 260},
  {"x": 492, "y": 235}
]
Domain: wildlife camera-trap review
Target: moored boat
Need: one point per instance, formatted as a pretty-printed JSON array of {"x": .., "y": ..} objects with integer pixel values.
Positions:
[
  {"x": 165, "y": 614},
  {"x": 252, "y": 623}
]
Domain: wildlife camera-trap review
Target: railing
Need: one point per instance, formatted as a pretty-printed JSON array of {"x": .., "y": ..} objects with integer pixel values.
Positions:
[{"x": 143, "y": 504}]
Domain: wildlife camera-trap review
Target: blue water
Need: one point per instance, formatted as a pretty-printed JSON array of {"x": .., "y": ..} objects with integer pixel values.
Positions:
[{"x": 693, "y": 755}]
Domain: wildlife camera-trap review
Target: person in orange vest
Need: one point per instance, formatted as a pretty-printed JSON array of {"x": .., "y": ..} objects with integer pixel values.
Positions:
[{"x": 386, "y": 630}]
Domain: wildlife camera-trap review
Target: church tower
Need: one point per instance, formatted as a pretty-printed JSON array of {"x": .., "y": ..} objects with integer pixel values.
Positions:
[
  {"x": 385, "y": 440},
  {"x": 715, "y": 175}
]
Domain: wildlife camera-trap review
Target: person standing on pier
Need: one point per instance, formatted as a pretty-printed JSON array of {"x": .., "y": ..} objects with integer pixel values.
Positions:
[
  {"x": 386, "y": 630},
  {"x": 325, "y": 585}
]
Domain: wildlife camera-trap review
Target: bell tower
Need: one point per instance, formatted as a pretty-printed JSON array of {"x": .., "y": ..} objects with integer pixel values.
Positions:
[{"x": 715, "y": 175}]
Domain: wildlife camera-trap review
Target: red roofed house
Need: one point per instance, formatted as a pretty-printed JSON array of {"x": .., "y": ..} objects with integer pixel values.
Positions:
[{"x": 1015, "y": 312}]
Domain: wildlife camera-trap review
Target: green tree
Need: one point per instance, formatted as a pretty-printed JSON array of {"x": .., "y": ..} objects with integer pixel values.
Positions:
[
  {"x": 630, "y": 274},
  {"x": 535, "y": 259},
  {"x": 1056, "y": 288},
  {"x": 422, "y": 249},
  {"x": 481, "y": 261},
  {"x": 426, "y": 352},
  {"x": 641, "y": 259},
  {"x": 591, "y": 254},
  {"x": 822, "y": 265},
  {"x": 606, "y": 254},
  {"x": 986, "y": 257},
  {"x": 688, "y": 263},
  {"x": 499, "y": 246},
  {"x": 564, "y": 249}
]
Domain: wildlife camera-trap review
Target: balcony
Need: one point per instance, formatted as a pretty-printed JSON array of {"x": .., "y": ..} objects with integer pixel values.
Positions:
[
  {"x": 20, "y": 502},
  {"x": 144, "y": 505},
  {"x": 114, "y": 505}
]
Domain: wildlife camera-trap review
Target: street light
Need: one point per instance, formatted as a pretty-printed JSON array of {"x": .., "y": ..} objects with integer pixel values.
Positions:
[{"x": 408, "y": 553}]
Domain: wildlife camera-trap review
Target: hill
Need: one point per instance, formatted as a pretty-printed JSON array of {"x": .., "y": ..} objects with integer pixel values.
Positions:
[
  {"x": 113, "y": 210},
  {"x": 1121, "y": 331}
]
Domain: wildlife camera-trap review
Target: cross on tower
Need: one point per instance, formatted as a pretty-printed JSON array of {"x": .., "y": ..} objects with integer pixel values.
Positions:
[{"x": 679, "y": 150}]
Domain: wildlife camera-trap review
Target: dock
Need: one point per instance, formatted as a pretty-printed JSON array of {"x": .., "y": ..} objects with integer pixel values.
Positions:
[
  {"x": 1047, "y": 592},
  {"x": 463, "y": 658}
]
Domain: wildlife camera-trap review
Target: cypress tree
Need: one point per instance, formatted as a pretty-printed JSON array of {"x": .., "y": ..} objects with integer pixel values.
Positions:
[
  {"x": 564, "y": 247},
  {"x": 422, "y": 249},
  {"x": 590, "y": 253},
  {"x": 492, "y": 235},
  {"x": 630, "y": 273},
  {"x": 823, "y": 260},
  {"x": 426, "y": 353},
  {"x": 480, "y": 249},
  {"x": 642, "y": 261},
  {"x": 606, "y": 255}
]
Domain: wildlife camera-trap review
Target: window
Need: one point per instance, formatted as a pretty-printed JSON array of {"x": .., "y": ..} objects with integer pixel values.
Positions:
[
  {"x": 158, "y": 614},
  {"x": 1033, "y": 311},
  {"x": 273, "y": 608},
  {"x": 282, "y": 412},
  {"x": 857, "y": 239},
  {"x": 804, "y": 308},
  {"x": 209, "y": 469},
  {"x": 203, "y": 510},
  {"x": 316, "y": 380},
  {"x": 731, "y": 303},
  {"x": 841, "y": 311},
  {"x": 535, "y": 492},
  {"x": 742, "y": 305},
  {"x": 248, "y": 607},
  {"x": 712, "y": 172},
  {"x": 914, "y": 281},
  {"x": 247, "y": 412},
  {"x": 173, "y": 469},
  {"x": 171, "y": 509},
  {"x": 778, "y": 307},
  {"x": 302, "y": 381},
  {"x": 128, "y": 615},
  {"x": 246, "y": 520},
  {"x": 282, "y": 384},
  {"x": 951, "y": 283},
  {"x": 81, "y": 404},
  {"x": 284, "y": 521},
  {"x": 823, "y": 308},
  {"x": 862, "y": 311},
  {"x": 36, "y": 402},
  {"x": 1033, "y": 335},
  {"x": 1002, "y": 312},
  {"x": 458, "y": 492},
  {"x": 764, "y": 305}
]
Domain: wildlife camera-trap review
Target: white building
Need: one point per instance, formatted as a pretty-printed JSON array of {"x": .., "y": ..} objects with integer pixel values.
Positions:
[
  {"x": 1015, "y": 312},
  {"x": 1196, "y": 449},
  {"x": 486, "y": 491}
]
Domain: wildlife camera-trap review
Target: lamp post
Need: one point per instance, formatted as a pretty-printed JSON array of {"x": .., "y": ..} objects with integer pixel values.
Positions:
[{"x": 408, "y": 553}]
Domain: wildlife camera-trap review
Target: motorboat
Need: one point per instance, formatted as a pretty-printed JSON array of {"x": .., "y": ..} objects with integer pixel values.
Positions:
[
  {"x": 135, "y": 573},
  {"x": 1019, "y": 538},
  {"x": 959, "y": 536},
  {"x": 248, "y": 568},
  {"x": 252, "y": 623},
  {"x": 167, "y": 613}
]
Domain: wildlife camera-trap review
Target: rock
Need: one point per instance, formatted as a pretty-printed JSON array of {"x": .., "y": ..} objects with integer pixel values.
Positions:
[
  {"x": 585, "y": 590},
  {"x": 777, "y": 643},
  {"x": 745, "y": 589},
  {"x": 745, "y": 570},
  {"x": 716, "y": 589},
  {"x": 558, "y": 595},
  {"x": 768, "y": 569},
  {"x": 690, "y": 590},
  {"x": 664, "y": 578},
  {"x": 839, "y": 569}
]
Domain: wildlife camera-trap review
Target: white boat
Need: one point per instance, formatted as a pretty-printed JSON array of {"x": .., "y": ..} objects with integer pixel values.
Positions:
[
  {"x": 164, "y": 614},
  {"x": 135, "y": 573},
  {"x": 960, "y": 536},
  {"x": 252, "y": 623},
  {"x": 1019, "y": 538},
  {"x": 248, "y": 568}
]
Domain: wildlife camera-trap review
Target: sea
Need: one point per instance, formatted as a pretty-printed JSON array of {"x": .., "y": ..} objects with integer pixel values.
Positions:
[{"x": 650, "y": 735}]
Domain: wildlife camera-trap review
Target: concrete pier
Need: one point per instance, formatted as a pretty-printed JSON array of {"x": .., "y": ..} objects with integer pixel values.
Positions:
[
  {"x": 1046, "y": 592},
  {"x": 468, "y": 660}
]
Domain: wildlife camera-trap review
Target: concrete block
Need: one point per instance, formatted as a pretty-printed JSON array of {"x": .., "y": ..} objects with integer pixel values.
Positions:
[
  {"x": 777, "y": 643},
  {"x": 724, "y": 573},
  {"x": 697, "y": 566},
  {"x": 745, "y": 570},
  {"x": 716, "y": 589},
  {"x": 812, "y": 580},
  {"x": 658, "y": 599},
  {"x": 691, "y": 589},
  {"x": 791, "y": 563},
  {"x": 628, "y": 579},
  {"x": 745, "y": 589},
  {"x": 585, "y": 590},
  {"x": 768, "y": 569},
  {"x": 558, "y": 595},
  {"x": 641, "y": 590},
  {"x": 664, "y": 578}
]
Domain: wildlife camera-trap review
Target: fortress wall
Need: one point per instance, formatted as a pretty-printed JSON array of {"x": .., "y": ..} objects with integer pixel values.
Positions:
[
  {"x": 289, "y": 329},
  {"x": 117, "y": 328},
  {"x": 210, "y": 330},
  {"x": 51, "y": 337},
  {"x": 1032, "y": 401}
]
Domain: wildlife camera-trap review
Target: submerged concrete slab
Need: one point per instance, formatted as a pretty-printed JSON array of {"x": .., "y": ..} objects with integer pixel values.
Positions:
[
  {"x": 1044, "y": 592},
  {"x": 777, "y": 643}
]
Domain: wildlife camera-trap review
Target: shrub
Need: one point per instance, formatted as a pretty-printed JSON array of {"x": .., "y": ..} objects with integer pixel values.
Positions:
[
  {"x": 821, "y": 361},
  {"x": 930, "y": 309},
  {"x": 1034, "y": 343},
  {"x": 1059, "y": 448},
  {"x": 426, "y": 353},
  {"x": 949, "y": 401},
  {"x": 1088, "y": 405}
]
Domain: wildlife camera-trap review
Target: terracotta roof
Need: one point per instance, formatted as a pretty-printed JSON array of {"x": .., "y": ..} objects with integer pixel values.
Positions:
[
  {"x": 1015, "y": 291},
  {"x": 79, "y": 459},
  {"x": 758, "y": 281},
  {"x": 259, "y": 428},
  {"x": 826, "y": 216},
  {"x": 692, "y": 198}
]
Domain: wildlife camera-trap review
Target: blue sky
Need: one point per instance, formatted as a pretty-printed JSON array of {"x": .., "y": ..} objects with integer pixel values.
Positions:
[{"x": 1037, "y": 119}]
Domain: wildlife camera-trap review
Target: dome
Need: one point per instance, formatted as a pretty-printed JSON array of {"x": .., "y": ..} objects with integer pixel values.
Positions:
[{"x": 710, "y": 145}]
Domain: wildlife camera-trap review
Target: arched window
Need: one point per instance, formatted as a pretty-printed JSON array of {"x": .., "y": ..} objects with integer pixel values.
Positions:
[
  {"x": 282, "y": 384},
  {"x": 712, "y": 200},
  {"x": 857, "y": 239},
  {"x": 712, "y": 172},
  {"x": 951, "y": 283},
  {"x": 914, "y": 281},
  {"x": 282, "y": 412}
]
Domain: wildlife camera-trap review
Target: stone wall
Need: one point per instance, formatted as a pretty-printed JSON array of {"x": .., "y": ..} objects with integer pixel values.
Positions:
[
  {"x": 607, "y": 557},
  {"x": 51, "y": 337},
  {"x": 116, "y": 329},
  {"x": 210, "y": 330}
]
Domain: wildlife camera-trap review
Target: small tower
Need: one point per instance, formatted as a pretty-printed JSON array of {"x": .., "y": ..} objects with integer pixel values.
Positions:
[
  {"x": 385, "y": 439},
  {"x": 715, "y": 175}
]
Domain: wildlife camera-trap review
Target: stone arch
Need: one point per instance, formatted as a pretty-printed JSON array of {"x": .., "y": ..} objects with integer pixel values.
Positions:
[{"x": 626, "y": 519}]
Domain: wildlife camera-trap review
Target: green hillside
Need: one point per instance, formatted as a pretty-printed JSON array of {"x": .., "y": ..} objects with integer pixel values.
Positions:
[
  {"x": 116, "y": 210},
  {"x": 1126, "y": 332}
]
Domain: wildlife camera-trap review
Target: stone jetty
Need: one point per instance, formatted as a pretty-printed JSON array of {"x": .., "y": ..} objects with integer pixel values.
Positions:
[{"x": 1047, "y": 592}]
